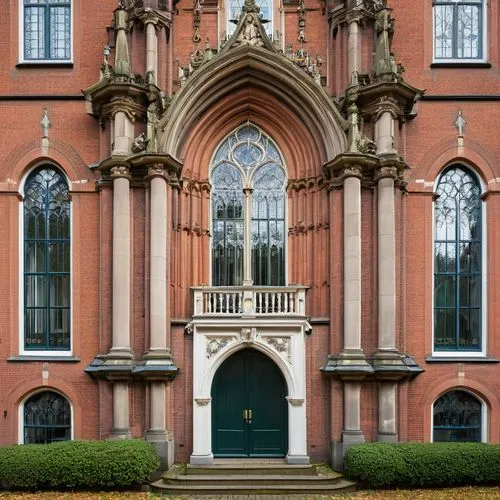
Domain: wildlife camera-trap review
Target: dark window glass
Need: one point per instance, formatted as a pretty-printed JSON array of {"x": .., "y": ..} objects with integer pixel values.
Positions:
[
  {"x": 46, "y": 261},
  {"x": 47, "y": 418},
  {"x": 248, "y": 160},
  {"x": 457, "y": 417},
  {"x": 458, "y": 29},
  {"x": 47, "y": 30},
  {"x": 457, "y": 262}
]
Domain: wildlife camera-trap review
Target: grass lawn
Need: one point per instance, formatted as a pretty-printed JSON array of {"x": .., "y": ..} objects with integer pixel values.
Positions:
[{"x": 466, "y": 493}]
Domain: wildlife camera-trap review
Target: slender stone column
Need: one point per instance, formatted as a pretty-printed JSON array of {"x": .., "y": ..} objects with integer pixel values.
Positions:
[
  {"x": 352, "y": 261},
  {"x": 121, "y": 428},
  {"x": 387, "y": 411},
  {"x": 384, "y": 133},
  {"x": 151, "y": 52},
  {"x": 121, "y": 262},
  {"x": 247, "y": 256},
  {"x": 123, "y": 135},
  {"x": 354, "y": 47},
  {"x": 352, "y": 413}
]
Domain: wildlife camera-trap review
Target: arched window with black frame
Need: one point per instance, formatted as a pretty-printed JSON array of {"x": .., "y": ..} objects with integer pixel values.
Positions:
[
  {"x": 47, "y": 418},
  {"x": 47, "y": 261},
  {"x": 248, "y": 190},
  {"x": 458, "y": 261},
  {"x": 457, "y": 416}
]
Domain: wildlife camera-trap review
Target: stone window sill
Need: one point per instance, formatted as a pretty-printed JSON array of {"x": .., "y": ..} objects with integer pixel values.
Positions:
[
  {"x": 45, "y": 64},
  {"x": 460, "y": 359},
  {"x": 457, "y": 64},
  {"x": 36, "y": 357}
]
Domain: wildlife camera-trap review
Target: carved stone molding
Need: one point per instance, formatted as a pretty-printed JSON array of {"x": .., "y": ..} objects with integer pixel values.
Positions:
[
  {"x": 295, "y": 401},
  {"x": 391, "y": 172},
  {"x": 202, "y": 401},
  {"x": 280, "y": 344},
  {"x": 248, "y": 335},
  {"x": 120, "y": 171},
  {"x": 157, "y": 171},
  {"x": 216, "y": 344}
]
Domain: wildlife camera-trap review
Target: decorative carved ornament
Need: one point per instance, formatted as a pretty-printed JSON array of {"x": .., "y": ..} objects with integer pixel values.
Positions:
[
  {"x": 248, "y": 335},
  {"x": 280, "y": 344},
  {"x": 296, "y": 401},
  {"x": 120, "y": 171},
  {"x": 216, "y": 344},
  {"x": 202, "y": 401}
]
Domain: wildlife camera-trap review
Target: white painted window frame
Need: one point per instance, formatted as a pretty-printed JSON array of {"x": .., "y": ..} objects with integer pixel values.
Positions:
[
  {"x": 484, "y": 41},
  {"x": 20, "y": 410},
  {"x": 41, "y": 62},
  {"x": 22, "y": 350},
  {"x": 484, "y": 273}
]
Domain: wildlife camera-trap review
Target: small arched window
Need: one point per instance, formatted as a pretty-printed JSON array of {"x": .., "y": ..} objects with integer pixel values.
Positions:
[
  {"x": 457, "y": 416},
  {"x": 248, "y": 190},
  {"x": 457, "y": 262},
  {"x": 47, "y": 418},
  {"x": 47, "y": 261}
]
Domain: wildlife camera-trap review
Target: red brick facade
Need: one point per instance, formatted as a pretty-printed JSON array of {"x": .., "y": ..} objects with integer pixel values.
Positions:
[{"x": 294, "y": 107}]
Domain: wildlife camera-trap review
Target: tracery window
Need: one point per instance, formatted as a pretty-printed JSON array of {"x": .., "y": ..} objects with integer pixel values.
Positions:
[
  {"x": 234, "y": 10},
  {"x": 457, "y": 417},
  {"x": 248, "y": 190},
  {"x": 457, "y": 262},
  {"x": 47, "y": 30},
  {"x": 47, "y": 241},
  {"x": 458, "y": 29},
  {"x": 47, "y": 418}
]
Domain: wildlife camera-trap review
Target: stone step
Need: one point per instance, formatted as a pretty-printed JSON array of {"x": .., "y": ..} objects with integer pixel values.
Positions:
[
  {"x": 252, "y": 479},
  {"x": 341, "y": 486},
  {"x": 250, "y": 468}
]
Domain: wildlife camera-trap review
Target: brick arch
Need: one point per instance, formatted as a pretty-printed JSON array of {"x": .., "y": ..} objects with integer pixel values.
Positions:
[
  {"x": 444, "y": 385},
  {"x": 445, "y": 153},
  {"x": 25, "y": 388},
  {"x": 62, "y": 155}
]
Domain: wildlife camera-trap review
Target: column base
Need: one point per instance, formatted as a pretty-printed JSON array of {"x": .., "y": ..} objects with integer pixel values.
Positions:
[
  {"x": 353, "y": 437},
  {"x": 387, "y": 437},
  {"x": 297, "y": 459},
  {"x": 338, "y": 450},
  {"x": 120, "y": 434},
  {"x": 201, "y": 459},
  {"x": 163, "y": 443}
]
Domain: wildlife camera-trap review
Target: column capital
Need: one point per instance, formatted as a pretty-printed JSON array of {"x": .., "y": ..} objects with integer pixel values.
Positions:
[
  {"x": 157, "y": 171},
  {"x": 384, "y": 172},
  {"x": 121, "y": 171}
]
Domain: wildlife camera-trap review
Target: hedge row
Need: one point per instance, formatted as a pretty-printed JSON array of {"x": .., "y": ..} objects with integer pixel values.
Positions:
[
  {"x": 383, "y": 465},
  {"x": 77, "y": 465}
]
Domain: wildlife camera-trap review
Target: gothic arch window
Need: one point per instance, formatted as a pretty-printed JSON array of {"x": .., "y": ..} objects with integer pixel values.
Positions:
[
  {"x": 248, "y": 194},
  {"x": 458, "y": 262},
  {"x": 46, "y": 30},
  {"x": 46, "y": 418},
  {"x": 47, "y": 261},
  {"x": 457, "y": 416},
  {"x": 459, "y": 30},
  {"x": 233, "y": 11}
]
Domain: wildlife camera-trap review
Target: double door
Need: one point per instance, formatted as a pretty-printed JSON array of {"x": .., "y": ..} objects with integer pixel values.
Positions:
[{"x": 249, "y": 407}]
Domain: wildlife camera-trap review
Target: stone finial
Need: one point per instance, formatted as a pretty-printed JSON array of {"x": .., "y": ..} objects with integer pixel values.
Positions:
[
  {"x": 384, "y": 25},
  {"x": 197, "y": 21},
  {"x": 122, "y": 58},
  {"x": 301, "y": 12},
  {"x": 460, "y": 123},
  {"x": 45, "y": 123}
]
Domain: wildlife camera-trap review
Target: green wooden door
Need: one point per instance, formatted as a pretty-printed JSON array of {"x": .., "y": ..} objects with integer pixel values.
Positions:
[{"x": 249, "y": 411}]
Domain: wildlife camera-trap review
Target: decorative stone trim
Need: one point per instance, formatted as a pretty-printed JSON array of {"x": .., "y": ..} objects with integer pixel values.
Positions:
[
  {"x": 216, "y": 344},
  {"x": 121, "y": 171},
  {"x": 280, "y": 344},
  {"x": 295, "y": 401},
  {"x": 247, "y": 335},
  {"x": 202, "y": 401}
]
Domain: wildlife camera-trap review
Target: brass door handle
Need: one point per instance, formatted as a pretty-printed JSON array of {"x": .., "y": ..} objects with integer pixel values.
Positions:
[
  {"x": 250, "y": 416},
  {"x": 247, "y": 416}
]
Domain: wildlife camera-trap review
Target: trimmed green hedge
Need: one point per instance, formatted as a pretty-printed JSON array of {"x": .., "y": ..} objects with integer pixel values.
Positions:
[
  {"x": 77, "y": 464},
  {"x": 383, "y": 465}
]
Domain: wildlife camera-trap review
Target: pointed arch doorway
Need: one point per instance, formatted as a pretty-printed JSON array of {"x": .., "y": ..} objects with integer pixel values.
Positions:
[{"x": 249, "y": 407}]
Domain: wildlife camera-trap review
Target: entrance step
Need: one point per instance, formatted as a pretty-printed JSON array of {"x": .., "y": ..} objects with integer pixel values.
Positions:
[{"x": 251, "y": 479}]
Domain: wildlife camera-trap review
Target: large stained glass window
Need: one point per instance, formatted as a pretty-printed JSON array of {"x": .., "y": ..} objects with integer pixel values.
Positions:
[
  {"x": 458, "y": 29},
  {"x": 457, "y": 262},
  {"x": 46, "y": 261},
  {"x": 248, "y": 164},
  {"x": 47, "y": 30},
  {"x": 234, "y": 11},
  {"x": 47, "y": 418},
  {"x": 457, "y": 417}
]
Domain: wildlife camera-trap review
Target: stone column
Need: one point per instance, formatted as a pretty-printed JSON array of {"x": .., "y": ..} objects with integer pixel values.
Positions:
[
  {"x": 247, "y": 256},
  {"x": 352, "y": 413},
  {"x": 353, "y": 46},
  {"x": 151, "y": 52},
  {"x": 387, "y": 411},
  {"x": 121, "y": 428},
  {"x": 384, "y": 132}
]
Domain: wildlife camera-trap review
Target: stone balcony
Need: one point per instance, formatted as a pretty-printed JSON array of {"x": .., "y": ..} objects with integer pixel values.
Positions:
[{"x": 249, "y": 301}]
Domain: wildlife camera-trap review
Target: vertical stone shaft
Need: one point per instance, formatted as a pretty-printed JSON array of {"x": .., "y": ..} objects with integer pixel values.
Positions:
[
  {"x": 384, "y": 133},
  {"x": 120, "y": 410},
  {"x": 387, "y": 411},
  {"x": 352, "y": 263},
  {"x": 353, "y": 50},
  {"x": 247, "y": 263},
  {"x": 151, "y": 52}
]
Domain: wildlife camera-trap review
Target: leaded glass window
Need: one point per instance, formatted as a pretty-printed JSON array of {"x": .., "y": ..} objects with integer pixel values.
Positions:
[
  {"x": 457, "y": 417},
  {"x": 234, "y": 11},
  {"x": 248, "y": 161},
  {"x": 458, "y": 29},
  {"x": 457, "y": 262},
  {"x": 47, "y": 418},
  {"x": 46, "y": 261},
  {"x": 47, "y": 30}
]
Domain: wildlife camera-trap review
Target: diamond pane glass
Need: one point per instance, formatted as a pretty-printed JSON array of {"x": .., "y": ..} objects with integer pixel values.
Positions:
[
  {"x": 457, "y": 417},
  {"x": 47, "y": 261},
  {"x": 457, "y": 262}
]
